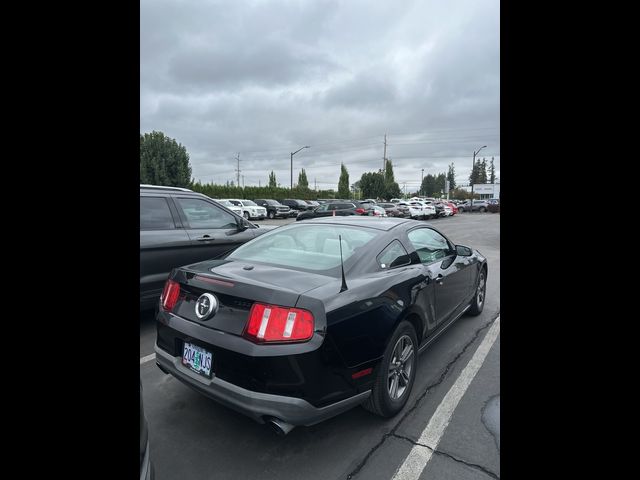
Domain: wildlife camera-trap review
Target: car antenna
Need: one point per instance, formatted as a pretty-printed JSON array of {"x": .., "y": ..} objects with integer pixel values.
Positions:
[{"x": 344, "y": 282}]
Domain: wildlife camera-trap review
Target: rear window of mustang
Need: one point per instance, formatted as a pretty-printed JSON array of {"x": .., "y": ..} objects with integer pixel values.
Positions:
[{"x": 306, "y": 247}]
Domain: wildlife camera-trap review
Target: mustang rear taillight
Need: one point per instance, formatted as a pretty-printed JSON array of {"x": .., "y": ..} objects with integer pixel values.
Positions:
[
  {"x": 360, "y": 211},
  {"x": 270, "y": 323},
  {"x": 170, "y": 295}
]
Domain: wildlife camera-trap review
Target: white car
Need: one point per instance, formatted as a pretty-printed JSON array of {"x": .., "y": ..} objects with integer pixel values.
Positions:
[
  {"x": 250, "y": 210},
  {"x": 414, "y": 211},
  {"x": 427, "y": 210},
  {"x": 235, "y": 209},
  {"x": 448, "y": 211}
]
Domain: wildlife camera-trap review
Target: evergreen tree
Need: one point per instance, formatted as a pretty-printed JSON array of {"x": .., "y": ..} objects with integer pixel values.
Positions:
[
  {"x": 272, "y": 180},
  {"x": 451, "y": 176},
  {"x": 302, "y": 180},
  {"x": 475, "y": 173},
  {"x": 392, "y": 189},
  {"x": 372, "y": 184},
  {"x": 482, "y": 171},
  {"x": 163, "y": 161},
  {"x": 343, "y": 183},
  {"x": 492, "y": 171},
  {"x": 439, "y": 184},
  {"x": 428, "y": 185}
]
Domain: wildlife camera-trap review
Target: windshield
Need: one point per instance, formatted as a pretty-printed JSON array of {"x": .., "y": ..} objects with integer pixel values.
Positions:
[
  {"x": 305, "y": 247},
  {"x": 248, "y": 203},
  {"x": 272, "y": 202}
]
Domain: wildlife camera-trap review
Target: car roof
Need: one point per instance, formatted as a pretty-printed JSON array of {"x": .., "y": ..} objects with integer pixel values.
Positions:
[
  {"x": 155, "y": 188},
  {"x": 378, "y": 223}
]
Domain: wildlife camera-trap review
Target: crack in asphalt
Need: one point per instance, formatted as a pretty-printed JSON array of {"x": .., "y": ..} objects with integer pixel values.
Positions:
[
  {"x": 415, "y": 405},
  {"x": 475, "y": 466}
]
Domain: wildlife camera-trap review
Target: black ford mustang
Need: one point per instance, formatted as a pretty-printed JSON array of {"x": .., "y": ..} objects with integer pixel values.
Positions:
[{"x": 313, "y": 318}]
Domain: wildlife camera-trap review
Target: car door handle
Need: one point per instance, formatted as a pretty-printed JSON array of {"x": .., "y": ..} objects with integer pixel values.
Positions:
[
  {"x": 204, "y": 238},
  {"x": 439, "y": 279}
]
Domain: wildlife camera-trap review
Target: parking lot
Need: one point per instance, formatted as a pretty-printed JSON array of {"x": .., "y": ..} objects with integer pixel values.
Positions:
[{"x": 194, "y": 437}]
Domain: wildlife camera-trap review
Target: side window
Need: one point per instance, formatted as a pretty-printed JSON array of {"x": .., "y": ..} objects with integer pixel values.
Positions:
[
  {"x": 202, "y": 214},
  {"x": 429, "y": 244},
  {"x": 155, "y": 214},
  {"x": 393, "y": 255},
  {"x": 333, "y": 206},
  {"x": 321, "y": 208}
]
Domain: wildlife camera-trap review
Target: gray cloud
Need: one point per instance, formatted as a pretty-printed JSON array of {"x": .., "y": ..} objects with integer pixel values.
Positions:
[{"x": 265, "y": 77}]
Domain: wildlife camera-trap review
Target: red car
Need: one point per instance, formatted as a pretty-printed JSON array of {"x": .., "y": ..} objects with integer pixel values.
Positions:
[{"x": 454, "y": 209}]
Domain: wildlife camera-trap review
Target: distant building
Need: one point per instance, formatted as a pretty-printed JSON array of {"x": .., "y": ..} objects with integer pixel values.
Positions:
[{"x": 485, "y": 190}]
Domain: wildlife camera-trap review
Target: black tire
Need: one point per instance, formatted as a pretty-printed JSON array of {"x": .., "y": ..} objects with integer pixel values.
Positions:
[
  {"x": 380, "y": 401},
  {"x": 478, "y": 300},
  {"x": 482, "y": 210},
  {"x": 271, "y": 214},
  {"x": 460, "y": 209},
  {"x": 245, "y": 215}
]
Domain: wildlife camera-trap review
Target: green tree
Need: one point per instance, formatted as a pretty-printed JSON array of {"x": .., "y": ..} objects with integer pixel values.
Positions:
[
  {"x": 343, "y": 183},
  {"x": 428, "y": 187},
  {"x": 163, "y": 161},
  {"x": 474, "y": 178},
  {"x": 391, "y": 187},
  {"x": 372, "y": 184},
  {"x": 482, "y": 171},
  {"x": 272, "y": 180},
  {"x": 439, "y": 184},
  {"x": 492, "y": 172},
  {"x": 303, "y": 183},
  {"x": 451, "y": 176}
]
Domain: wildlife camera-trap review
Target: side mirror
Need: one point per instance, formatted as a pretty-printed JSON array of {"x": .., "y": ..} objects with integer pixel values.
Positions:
[
  {"x": 242, "y": 224},
  {"x": 463, "y": 251}
]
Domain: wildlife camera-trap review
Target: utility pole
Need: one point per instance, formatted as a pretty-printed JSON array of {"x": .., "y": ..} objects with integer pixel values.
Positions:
[
  {"x": 259, "y": 186},
  {"x": 315, "y": 185},
  {"x": 238, "y": 169},
  {"x": 421, "y": 180},
  {"x": 242, "y": 181},
  {"x": 384, "y": 156},
  {"x": 472, "y": 179}
]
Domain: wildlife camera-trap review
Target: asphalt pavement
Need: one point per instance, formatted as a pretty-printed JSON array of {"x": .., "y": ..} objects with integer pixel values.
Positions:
[{"x": 450, "y": 428}]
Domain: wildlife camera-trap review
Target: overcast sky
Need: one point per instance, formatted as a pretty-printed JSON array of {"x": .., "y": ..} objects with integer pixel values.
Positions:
[{"x": 264, "y": 78}]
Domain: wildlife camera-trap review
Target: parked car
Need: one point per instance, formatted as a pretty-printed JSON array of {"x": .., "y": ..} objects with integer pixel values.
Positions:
[
  {"x": 313, "y": 203},
  {"x": 478, "y": 206},
  {"x": 274, "y": 208},
  {"x": 454, "y": 208},
  {"x": 378, "y": 211},
  {"x": 395, "y": 200},
  {"x": 300, "y": 324},
  {"x": 493, "y": 206},
  {"x": 297, "y": 205},
  {"x": 146, "y": 466},
  {"x": 443, "y": 209},
  {"x": 331, "y": 209},
  {"x": 234, "y": 208},
  {"x": 178, "y": 227},
  {"x": 415, "y": 211},
  {"x": 427, "y": 210},
  {"x": 250, "y": 210},
  {"x": 395, "y": 210}
]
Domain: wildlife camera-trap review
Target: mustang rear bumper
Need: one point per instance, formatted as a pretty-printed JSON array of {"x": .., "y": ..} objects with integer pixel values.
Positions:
[{"x": 256, "y": 405}]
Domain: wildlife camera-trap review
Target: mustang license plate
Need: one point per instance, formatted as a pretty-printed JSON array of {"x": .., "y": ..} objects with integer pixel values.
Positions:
[{"x": 197, "y": 359}]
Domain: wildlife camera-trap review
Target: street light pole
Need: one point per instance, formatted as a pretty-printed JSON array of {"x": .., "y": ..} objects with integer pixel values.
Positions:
[
  {"x": 292, "y": 154},
  {"x": 472, "y": 179},
  {"x": 421, "y": 180}
]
